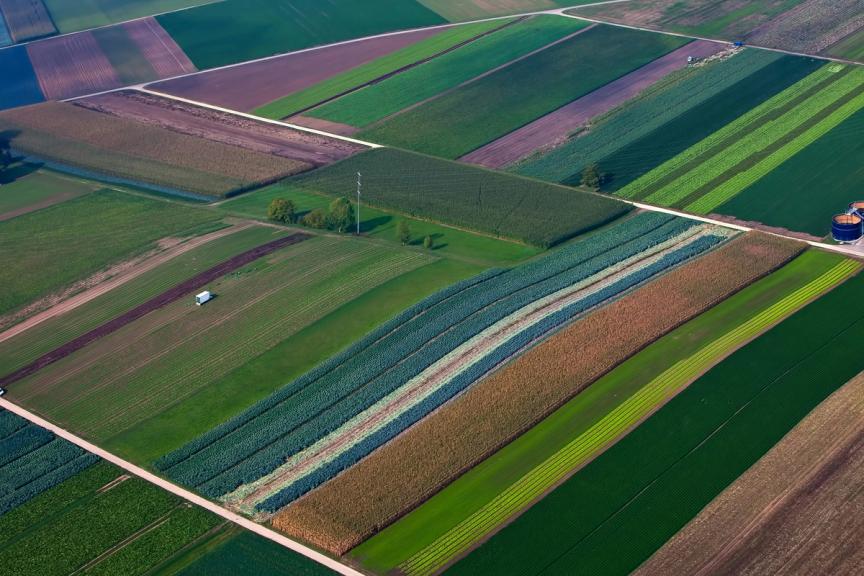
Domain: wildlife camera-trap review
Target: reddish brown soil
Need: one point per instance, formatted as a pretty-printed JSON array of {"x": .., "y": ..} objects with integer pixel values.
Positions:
[
  {"x": 70, "y": 66},
  {"x": 166, "y": 57},
  {"x": 181, "y": 290},
  {"x": 27, "y": 19},
  {"x": 324, "y": 125},
  {"x": 553, "y": 129},
  {"x": 221, "y": 127},
  {"x": 248, "y": 86},
  {"x": 764, "y": 227}
]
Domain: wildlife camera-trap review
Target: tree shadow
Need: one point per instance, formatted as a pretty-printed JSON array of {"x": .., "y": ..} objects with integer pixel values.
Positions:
[
  {"x": 17, "y": 171},
  {"x": 436, "y": 245},
  {"x": 373, "y": 223}
]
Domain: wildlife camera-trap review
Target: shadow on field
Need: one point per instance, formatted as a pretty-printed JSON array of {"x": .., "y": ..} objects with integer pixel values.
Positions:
[
  {"x": 17, "y": 171},
  {"x": 373, "y": 223}
]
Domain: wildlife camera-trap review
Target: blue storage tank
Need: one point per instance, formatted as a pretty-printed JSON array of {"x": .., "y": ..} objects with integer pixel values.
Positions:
[
  {"x": 846, "y": 228},
  {"x": 857, "y": 208}
]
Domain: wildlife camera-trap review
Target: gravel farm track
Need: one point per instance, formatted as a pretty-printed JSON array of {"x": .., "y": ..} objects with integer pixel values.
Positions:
[{"x": 179, "y": 291}]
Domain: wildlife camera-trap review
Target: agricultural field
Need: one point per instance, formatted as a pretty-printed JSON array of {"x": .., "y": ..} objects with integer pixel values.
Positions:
[
  {"x": 687, "y": 452},
  {"x": 465, "y": 197},
  {"x": 812, "y": 27},
  {"x": 175, "y": 343},
  {"x": 345, "y": 408},
  {"x": 138, "y": 153},
  {"x": 26, "y": 188},
  {"x": 239, "y": 30},
  {"x": 417, "y": 85},
  {"x": 579, "y": 431},
  {"x": 20, "y": 86},
  {"x": 453, "y": 125},
  {"x": 26, "y": 19},
  {"x": 797, "y": 509},
  {"x": 44, "y": 251},
  {"x": 401, "y": 475},
  {"x": 670, "y": 117},
  {"x": 85, "y": 14}
]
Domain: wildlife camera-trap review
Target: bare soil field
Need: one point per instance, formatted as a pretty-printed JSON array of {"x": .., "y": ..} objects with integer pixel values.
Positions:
[
  {"x": 405, "y": 472},
  {"x": 245, "y": 87},
  {"x": 812, "y": 26},
  {"x": 221, "y": 127},
  {"x": 553, "y": 129},
  {"x": 70, "y": 66},
  {"x": 160, "y": 50},
  {"x": 798, "y": 511},
  {"x": 179, "y": 291},
  {"x": 27, "y": 19},
  {"x": 324, "y": 125}
]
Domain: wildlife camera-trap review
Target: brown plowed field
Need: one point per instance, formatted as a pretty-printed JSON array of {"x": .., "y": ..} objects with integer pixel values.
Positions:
[
  {"x": 27, "y": 19},
  {"x": 72, "y": 65},
  {"x": 166, "y": 57},
  {"x": 248, "y": 86},
  {"x": 181, "y": 290},
  {"x": 405, "y": 472},
  {"x": 324, "y": 125},
  {"x": 222, "y": 127},
  {"x": 798, "y": 511},
  {"x": 553, "y": 129}
]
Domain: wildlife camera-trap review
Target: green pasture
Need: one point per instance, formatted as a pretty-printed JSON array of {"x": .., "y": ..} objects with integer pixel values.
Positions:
[
  {"x": 47, "y": 250},
  {"x": 479, "y": 112},
  {"x": 295, "y": 355},
  {"x": 613, "y": 514},
  {"x": 75, "y": 15},
  {"x": 382, "y": 225},
  {"x": 239, "y": 30},
  {"x": 349, "y": 79},
  {"x": 383, "y": 99},
  {"x": 24, "y": 187},
  {"x": 427, "y": 537}
]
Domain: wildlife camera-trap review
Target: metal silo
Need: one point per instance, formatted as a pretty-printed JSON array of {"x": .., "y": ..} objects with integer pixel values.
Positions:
[
  {"x": 857, "y": 208},
  {"x": 846, "y": 228}
]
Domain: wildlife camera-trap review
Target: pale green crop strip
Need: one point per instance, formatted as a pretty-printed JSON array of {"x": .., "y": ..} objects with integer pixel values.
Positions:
[
  {"x": 742, "y": 124},
  {"x": 607, "y": 429},
  {"x": 756, "y": 141},
  {"x": 743, "y": 180}
]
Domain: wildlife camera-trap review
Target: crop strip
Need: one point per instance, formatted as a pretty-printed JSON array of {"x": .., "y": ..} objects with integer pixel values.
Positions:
[
  {"x": 606, "y": 430},
  {"x": 175, "y": 293}
]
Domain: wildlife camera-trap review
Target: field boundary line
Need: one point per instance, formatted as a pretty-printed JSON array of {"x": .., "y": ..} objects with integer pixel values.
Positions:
[{"x": 182, "y": 493}]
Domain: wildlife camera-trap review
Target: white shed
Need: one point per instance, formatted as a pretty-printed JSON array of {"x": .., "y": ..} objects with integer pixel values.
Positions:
[{"x": 203, "y": 297}]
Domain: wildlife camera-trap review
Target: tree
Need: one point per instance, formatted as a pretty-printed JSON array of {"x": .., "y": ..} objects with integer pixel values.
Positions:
[
  {"x": 403, "y": 232},
  {"x": 316, "y": 219},
  {"x": 428, "y": 243},
  {"x": 282, "y": 210},
  {"x": 5, "y": 155},
  {"x": 341, "y": 215},
  {"x": 592, "y": 177}
]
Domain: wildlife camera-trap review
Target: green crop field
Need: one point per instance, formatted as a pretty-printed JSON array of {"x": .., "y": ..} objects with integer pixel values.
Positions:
[
  {"x": 335, "y": 85},
  {"x": 624, "y": 505},
  {"x": 383, "y": 99},
  {"x": 83, "y": 14},
  {"x": 47, "y": 250},
  {"x": 239, "y": 30},
  {"x": 383, "y": 225},
  {"x": 179, "y": 349},
  {"x": 481, "y": 111},
  {"x": 806, "y": 190},
  {"x": 505, "y": 483},
  {"x": 24, "y": 188},
  {"x": 125, "y": 55},
  {"x": 504, "y": 206},
  {"x": 851, "y": 47}
]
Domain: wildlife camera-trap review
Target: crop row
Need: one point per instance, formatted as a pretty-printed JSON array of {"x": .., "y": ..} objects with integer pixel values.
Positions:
[
  {"x": 10, "y": 423},
  {"x": 22, "y": 442},
  {"x": 478, "y": 369},
  {"x": 744, "y": 124},
  {"x": 755, "y": 141},
  {"x": 612, "y": 425},
  {"x": 436, "y": 316}
]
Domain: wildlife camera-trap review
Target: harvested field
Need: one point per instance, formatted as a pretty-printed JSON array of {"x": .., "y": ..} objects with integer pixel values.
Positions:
[
  {"x": 398, "y": 477},
  {"x": 221, "y": 127},
  {"x": 553, "y": 129},
  {"x": 27, "y": 19},
  {"x": 476, "y": 9},
  {"x": 811, "y": 27},
  {"x": 158, "y": 48},
  {"x": 181, "y": 290},
  {"x": 70, "y": 66},
  {"x": 69, "y": 134},
  {"x": 245, "y": 87},
  {"x": 796, "y": 511},
  {"x": 323, "y": 125}
]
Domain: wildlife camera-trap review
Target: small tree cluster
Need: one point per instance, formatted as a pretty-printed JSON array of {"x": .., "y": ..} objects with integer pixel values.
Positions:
[
  {"x": 282, "y": 210},
  {"x": 339, "y": 217},
  {"x": 592, "y": 177}
]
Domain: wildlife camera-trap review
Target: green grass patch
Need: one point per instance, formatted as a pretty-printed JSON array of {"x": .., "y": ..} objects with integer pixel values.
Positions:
[
  {"x": 582, "y": 428},
  {"x": 383, "y": 99},
  {"x": 613, "y": 514},
  {"x": 240, "y": 30},
  {"x": 47, "y": 250},
  {"x": 349, "y": 79},
  {"x": 502, "y": 205},
  {"x": 477, "y": 113},
  {"x": 383, "y": 225},
  {"x": 294, "y": 356},
  {"x": 84, "y": 14},
  {"x": 24, "y": 187}
]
